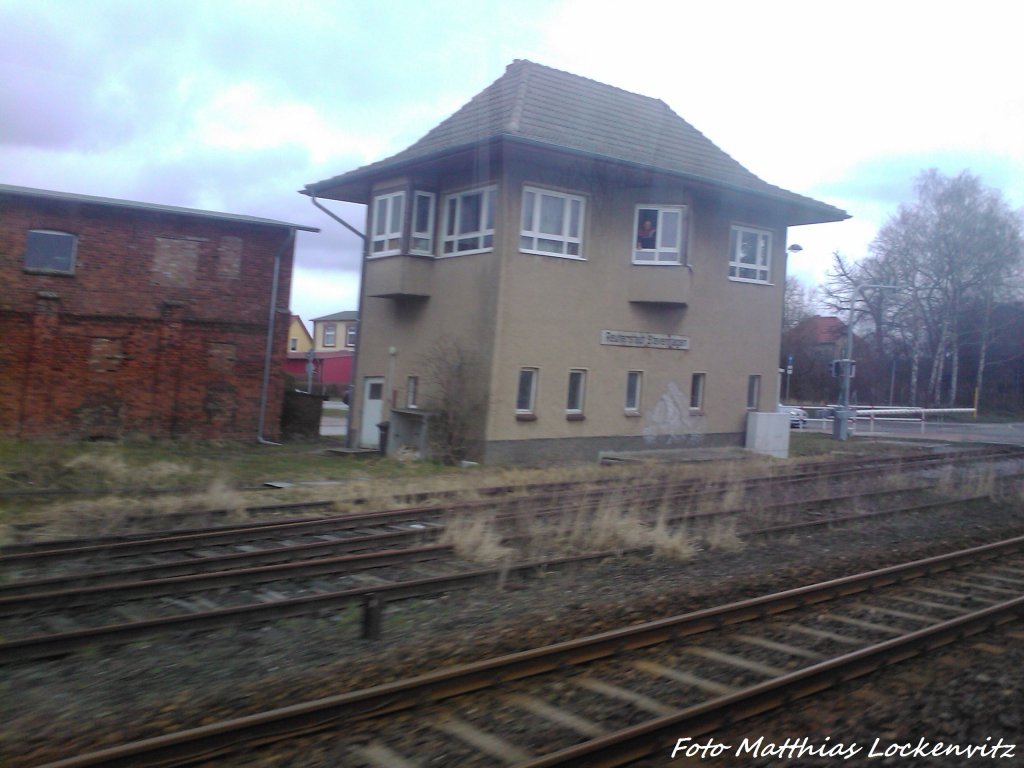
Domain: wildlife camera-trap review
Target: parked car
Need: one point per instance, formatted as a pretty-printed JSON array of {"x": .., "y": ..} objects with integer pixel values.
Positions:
[{"x": 797, "y": 416}]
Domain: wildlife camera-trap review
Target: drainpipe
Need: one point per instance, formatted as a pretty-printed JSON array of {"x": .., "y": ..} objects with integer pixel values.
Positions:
[
  {"x": 354, "y": 394},
  {"x": 269, "y": 354}
]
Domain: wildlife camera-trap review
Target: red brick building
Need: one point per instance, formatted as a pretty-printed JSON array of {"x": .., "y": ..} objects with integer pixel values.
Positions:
[{"x": 120, "y": 318}]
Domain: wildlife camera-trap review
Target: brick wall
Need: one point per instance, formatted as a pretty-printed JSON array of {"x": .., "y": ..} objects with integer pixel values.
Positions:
[{"x": 161, "y": 330}]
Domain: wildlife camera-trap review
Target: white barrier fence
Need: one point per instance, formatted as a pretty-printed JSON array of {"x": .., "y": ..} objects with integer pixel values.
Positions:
[{"x": 895, "y": 414}]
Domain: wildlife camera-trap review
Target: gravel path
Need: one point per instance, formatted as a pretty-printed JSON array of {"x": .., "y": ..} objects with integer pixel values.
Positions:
[{"x": 102, "y": 697}]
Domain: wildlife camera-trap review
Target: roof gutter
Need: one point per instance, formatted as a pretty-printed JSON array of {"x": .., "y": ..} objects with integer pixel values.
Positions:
[
  {"x": 771, "y": 192},
  {"x": 354, "y": 394},
  {"x": 271, "y": 326}
]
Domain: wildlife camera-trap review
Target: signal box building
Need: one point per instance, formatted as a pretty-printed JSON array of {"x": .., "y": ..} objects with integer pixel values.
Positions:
[
  {"x": 121, "y": 318},
  {"x": 593, "y": 270}
]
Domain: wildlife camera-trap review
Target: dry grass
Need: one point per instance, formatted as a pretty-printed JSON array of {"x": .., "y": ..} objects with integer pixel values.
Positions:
[
  {"x": 722, "y": 537},
  {"x": 476, "y": 538},
  {"x": 106, "y": 469},
  {"x": 118, "y": 514}
]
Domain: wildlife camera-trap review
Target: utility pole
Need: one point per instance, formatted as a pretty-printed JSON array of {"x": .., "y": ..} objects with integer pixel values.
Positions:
[{"x": 841, "y": 424}]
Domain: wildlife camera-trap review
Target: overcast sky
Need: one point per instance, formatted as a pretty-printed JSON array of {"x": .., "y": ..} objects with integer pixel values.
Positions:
[{"x": 234, "y": 106}]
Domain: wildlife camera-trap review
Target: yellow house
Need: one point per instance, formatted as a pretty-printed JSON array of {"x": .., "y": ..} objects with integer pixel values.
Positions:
[
  {"x": 299, "y": 340},
  {"x": 573, "y": 266}
]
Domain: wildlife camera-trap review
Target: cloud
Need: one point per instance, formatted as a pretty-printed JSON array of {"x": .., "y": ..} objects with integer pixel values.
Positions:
[{"x": 235, "y": 105}]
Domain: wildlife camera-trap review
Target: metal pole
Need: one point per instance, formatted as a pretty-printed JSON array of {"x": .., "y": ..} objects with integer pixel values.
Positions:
[{"x": 840, "y": 427}]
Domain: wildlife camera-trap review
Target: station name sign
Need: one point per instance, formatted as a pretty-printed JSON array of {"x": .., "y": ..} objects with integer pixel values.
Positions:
[{"x": 643, "y": 339}]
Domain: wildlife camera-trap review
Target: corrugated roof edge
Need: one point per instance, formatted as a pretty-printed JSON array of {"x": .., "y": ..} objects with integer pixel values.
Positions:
[{"x": 72, "y": 197}]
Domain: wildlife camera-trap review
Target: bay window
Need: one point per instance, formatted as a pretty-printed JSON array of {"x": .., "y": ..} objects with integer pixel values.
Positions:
[
  {"x": 469, "y": 221},
  {"x": 422, "y": 237},
  {"x": 387, "y": 224}
]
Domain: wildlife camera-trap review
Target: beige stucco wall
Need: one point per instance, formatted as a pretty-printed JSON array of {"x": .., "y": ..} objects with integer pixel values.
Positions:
[
  {"x": 552, "y": 311},
  {"x": 509, "y": 310},
  {"x": 457, "y": 313}
]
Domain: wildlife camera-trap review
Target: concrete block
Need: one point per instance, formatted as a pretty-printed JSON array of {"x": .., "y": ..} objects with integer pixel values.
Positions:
[{"x": 768, "y": 433}]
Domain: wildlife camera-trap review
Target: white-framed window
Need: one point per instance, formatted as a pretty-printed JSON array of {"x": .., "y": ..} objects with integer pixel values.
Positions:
[
  {"x": 388, "y": 211},
  {"x": 750, "y": 254},
  {"x": 422, "y": 236},
  {"x": 634, "y": 387},
  {"x": 753, "y": 391},
  {"x": 526, "y": 391},
  {"x": 351, "y": 332},
  {"x": 50, "y": 251},
  {"x": 660, "y": 234},
  {"x": 469, "y": 221},
  {"x": 412, "y": 386},
  {"x": 330, "y": 335},
  {"x": 552, "y": 223},
  {"x": 577, "y": 391},
  {"x": 697, "y": 391},
  {"x": 293, "y": 343}
]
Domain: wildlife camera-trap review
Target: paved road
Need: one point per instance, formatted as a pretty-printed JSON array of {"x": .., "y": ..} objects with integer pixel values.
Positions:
[{"x": 1011, "y": 433}]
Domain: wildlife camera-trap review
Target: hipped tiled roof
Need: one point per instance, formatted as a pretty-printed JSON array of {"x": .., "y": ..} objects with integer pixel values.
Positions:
[
  {"x": 544, "y": 106},
  {"x": 347, "y": 314}
]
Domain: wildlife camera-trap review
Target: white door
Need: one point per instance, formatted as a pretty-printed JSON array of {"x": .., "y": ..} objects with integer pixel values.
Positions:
[{"x": 373, "y": 410}]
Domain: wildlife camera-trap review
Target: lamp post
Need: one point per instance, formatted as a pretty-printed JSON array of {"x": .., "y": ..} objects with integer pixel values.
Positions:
[{"x": 841, "y": 425}]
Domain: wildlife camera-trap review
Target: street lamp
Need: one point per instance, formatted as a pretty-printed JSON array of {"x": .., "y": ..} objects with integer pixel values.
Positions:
[{"x": 841, "y": 425}]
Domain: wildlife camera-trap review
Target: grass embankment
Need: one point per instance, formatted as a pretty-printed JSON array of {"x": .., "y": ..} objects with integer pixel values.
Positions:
[{"x": 207, "y": 475}]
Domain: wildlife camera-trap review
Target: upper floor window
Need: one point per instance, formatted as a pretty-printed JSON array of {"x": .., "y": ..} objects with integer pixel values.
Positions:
[
  {"x": 660, "y": 235},
  {"x": 750, "y": 254},
  {"x": 422, "y": 237},
  {"x": 552, "y": 223},
  {"x": 49, "y": 251},
  {"x": 469, "y": 221},
  {"x": 350, "y": 335},
  {"x": 330, "y": 335},
  {"x": 387, "y": 224},
  {"x": 293, "y": 343}
]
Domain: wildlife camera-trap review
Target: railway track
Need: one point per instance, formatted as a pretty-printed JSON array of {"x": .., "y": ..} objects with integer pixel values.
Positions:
[
  {"x": 622, "y": 695},
  {"x": 44, "y": 622},
  {"x": 347, "y": 533}
]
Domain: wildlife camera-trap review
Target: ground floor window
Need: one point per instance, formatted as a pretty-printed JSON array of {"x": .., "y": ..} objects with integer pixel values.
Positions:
[
  {"x": 577, "y": 387},
  {"x": 697, "y": 392},
  {"x": 526, "y": 391},
  {"x": 634, "y": 385},
  {"x": 412, "y": 386},
  {"x": 753, "y": 391}
]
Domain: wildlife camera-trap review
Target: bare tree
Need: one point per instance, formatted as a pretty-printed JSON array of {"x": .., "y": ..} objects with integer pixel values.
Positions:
[
  {"x": 453, "y": 393},
  {"x": 799, "y": 302},
  {"x": 958, "y": 244}
]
